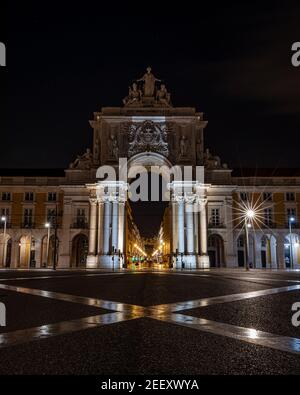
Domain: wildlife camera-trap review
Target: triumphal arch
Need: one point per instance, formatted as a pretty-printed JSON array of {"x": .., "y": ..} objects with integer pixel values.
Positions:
[{"x": 148, "y": 131}]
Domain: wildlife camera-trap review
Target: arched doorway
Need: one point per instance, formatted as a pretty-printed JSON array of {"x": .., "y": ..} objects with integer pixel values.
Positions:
[
  {"x": 26, "y": 256},
  {"x": 79, "y": 250},
  {"x": 216, "y": 250}
]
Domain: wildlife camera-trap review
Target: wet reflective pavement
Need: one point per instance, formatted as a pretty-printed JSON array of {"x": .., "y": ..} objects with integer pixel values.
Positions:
[{"x": 169, "y": 314}]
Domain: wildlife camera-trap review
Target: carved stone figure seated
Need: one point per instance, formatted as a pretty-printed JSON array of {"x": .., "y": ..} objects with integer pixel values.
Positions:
[
  {"x": 162, "y": 95},
  {"x": 83, "y": 162},
  {"x": 210, "y": 161},
  {"x": 134, "y": 95}
]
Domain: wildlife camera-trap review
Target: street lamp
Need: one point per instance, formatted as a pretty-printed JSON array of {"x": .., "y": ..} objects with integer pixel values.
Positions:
[
  {"x": 3, "y": 219},
  {"x": 291, "y": 220},
  {"x": 249, "y": 216},
  {"x": 48, "y": 226}
]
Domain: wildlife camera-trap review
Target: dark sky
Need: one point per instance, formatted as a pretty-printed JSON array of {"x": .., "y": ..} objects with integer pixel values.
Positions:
[{"x": 233, "y": 62}]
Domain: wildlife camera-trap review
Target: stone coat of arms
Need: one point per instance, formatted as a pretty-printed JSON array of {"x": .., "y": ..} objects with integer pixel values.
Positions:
[{"x": 147, "y": 136}]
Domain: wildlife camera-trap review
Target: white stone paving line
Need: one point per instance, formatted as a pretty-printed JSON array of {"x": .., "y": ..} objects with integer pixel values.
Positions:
[
  {"x": 162, "y": 312},
  {"x": 248, "y": 335},
  {"x": 60, "y": 328}
]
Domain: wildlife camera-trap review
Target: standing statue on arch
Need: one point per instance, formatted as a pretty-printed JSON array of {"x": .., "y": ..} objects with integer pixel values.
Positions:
[{"x": 149, "y": 80}]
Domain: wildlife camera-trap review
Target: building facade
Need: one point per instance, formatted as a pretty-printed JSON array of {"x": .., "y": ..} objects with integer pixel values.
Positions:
[{"x": 89, "y": 219}]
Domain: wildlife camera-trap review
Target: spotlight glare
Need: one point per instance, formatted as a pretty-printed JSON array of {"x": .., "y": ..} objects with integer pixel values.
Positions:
[{"x": 250, "y": 213}]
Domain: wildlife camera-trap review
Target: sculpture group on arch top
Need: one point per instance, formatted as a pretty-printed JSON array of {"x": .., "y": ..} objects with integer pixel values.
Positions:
[
  {"x": 145, "y": 92},
  {"x": 172, "y": 137}
]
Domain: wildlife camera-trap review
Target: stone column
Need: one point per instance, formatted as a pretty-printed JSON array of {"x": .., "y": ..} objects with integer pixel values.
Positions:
[
  {"x": 196, "y": 227},
  {"x": 93, "y": 217},
  {"x": 174, "y": 227},
  {"x": 280, "y": 253},
  {"x": 121, "y": 226},
  {"x": 115, "y": 227},
  {"x": 203, "y": 227},
  {"x": 189, "y": 227},
  {"x": 14, "y": 254},
  {"x": 180, "y": 221},
  {"x": 204, "y": 258},
  {"x": 106, "y": 228},
  {"x": 38, "y": 252},
  {"x": 100, "y": 228},
  {"x": 64, "y": 260}
]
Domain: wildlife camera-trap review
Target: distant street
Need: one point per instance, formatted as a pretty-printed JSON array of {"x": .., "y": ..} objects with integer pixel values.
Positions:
[{"x": 202, "y": 322}]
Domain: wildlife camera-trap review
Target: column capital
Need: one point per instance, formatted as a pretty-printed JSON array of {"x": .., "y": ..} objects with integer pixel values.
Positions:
[{"x": 93, "y": 200}]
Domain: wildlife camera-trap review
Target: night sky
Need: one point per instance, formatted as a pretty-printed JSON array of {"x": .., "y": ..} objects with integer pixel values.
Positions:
[{"x": 230, "y": 61}]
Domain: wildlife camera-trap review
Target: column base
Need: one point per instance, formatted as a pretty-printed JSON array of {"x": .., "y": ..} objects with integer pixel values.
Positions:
[
  {"x": 107, "y": 262},
  {"x": 92, "y": 261},
  {"x": 203, "y": 262},
  {"x": 185, "y": 262}
]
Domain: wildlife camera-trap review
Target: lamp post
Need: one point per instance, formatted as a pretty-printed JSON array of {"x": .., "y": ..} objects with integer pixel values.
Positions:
[
  {"x": 291, "y": 220},
  {"x": 4, "y": 219},
  {"x": 48, "y": 226},
  {"x": 249, "y": 215}
]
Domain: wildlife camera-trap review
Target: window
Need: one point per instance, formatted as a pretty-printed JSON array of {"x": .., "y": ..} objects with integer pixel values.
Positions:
[
  {"x": 267, "y": 196},
  {"x": 290, "y": 196},
  {"x": 28, "y": 197},
  {"x": 215, "y": 217},
  {"x": 244, "y": 196},
  {"x": 6, "y": 196},
  {"x": 268, "y": 216},
  {"x": 52, "y": 197},
  {"x": 291, "y": 212},
  {"x": 51, "y": 216},
  {"x": 28, "y": 217},
  {"x": 80, "y": 218}
]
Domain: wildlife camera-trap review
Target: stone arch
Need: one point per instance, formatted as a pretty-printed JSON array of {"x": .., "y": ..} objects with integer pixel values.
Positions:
[{"x": 26, "y": 253}]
